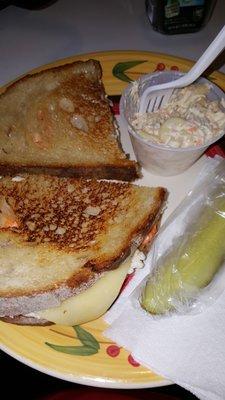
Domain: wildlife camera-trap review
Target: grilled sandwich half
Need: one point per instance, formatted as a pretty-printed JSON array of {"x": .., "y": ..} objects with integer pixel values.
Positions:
[
  {"x": 59, "y": 122},
  {"x": 66, "y": 245}
]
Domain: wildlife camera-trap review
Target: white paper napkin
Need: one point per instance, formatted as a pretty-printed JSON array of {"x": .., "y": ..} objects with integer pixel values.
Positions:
[{"x": 187, "y": 349}]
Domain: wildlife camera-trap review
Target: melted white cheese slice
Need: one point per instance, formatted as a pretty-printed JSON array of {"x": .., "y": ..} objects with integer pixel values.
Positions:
[{"x": 90, "y": 304}]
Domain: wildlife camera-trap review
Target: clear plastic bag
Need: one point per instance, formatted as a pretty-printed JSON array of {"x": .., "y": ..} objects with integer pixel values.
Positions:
[{"x": 189, "y": 254}]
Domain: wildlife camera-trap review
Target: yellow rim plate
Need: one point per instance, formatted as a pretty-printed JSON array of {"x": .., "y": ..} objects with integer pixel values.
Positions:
[{"x": 110, "y": 366}]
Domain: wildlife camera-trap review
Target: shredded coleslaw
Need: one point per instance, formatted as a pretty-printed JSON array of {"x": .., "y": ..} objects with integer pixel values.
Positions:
[{"x": 189, "y": 119}]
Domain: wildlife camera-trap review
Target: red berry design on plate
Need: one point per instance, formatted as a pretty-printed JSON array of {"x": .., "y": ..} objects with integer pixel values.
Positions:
[
  {"x": 113, "y": 350},
  {"x": 132, "y": 361},
  {"x": 160, "y": 67},
  {"x": 174, "y": 68}
]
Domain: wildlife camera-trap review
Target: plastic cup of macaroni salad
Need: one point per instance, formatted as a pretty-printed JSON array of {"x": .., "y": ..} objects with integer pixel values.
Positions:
[{"x": 168, "y": 154}]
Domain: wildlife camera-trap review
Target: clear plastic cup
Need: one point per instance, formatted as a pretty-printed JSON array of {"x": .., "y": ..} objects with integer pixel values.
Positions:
[{"x": 157, "y": 158}]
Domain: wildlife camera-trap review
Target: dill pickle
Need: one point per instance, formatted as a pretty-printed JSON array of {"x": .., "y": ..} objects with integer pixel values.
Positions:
[{"x": 200, "y": 259}]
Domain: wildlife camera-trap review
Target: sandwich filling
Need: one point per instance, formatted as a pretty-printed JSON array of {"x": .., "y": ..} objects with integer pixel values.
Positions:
[
  {"x": 66, "y": 245},
  {"x": 93, "y": 302}
]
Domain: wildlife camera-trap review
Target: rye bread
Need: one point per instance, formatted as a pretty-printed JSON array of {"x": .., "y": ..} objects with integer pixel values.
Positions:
[
  {"x": 59, "y": 122},
  {"x": 67, "y": 234}
]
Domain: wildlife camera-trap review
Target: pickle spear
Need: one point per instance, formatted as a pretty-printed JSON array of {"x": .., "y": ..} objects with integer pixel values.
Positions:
[{"x": 178, "y": 278}]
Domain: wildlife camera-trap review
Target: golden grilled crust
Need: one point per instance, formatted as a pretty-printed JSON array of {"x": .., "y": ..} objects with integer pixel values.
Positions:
[
  {"x": 74, "y": 229},
  {"x": 77, "y": 209},
  {"x": 58, "y": 121},
  {"x": 107, "y": 171}
]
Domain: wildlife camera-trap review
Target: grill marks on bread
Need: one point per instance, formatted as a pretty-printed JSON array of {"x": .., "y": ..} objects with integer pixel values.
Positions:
[
  {"x": 67, "y": 215},
  {"x": 70, "y": 232}
]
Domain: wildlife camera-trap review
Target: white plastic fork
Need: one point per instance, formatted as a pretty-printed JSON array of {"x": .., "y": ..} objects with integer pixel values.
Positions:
[{"x": 154, "y": 97}]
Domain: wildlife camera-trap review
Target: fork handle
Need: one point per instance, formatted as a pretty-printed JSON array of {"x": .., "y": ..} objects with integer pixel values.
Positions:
[{"x": 212, "y": 51}]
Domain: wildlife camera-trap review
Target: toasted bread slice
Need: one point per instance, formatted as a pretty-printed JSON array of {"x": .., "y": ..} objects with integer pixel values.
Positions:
[
  {"x": 59, "y": 122},
  {"x": 59, "y": 235}
]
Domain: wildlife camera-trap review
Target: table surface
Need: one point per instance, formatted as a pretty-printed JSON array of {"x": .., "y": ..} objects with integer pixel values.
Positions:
[{"x": 30, "y": 38}]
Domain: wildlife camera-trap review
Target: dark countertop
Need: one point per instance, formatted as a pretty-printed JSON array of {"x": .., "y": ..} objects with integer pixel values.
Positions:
[{"x": 27, "y": 383}]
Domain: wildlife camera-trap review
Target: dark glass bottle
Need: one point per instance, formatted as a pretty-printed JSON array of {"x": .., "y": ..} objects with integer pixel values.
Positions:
[{"x": 179, "y": 16}]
